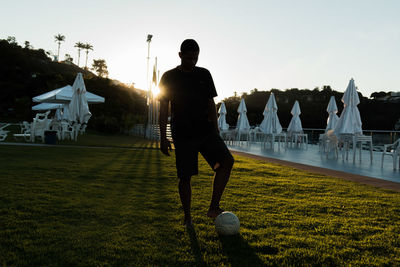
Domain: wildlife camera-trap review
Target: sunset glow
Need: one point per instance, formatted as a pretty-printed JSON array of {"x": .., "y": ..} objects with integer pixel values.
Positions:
[
  {"x": 155, "y": 90},
  {"x": 318, "y": 43}
]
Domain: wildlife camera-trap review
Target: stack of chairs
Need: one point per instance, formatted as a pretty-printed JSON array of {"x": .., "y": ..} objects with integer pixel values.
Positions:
[{"x": 40, "y": 124}]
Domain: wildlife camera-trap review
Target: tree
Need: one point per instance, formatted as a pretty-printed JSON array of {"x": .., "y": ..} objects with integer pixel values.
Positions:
[
  {"x": 378, "y": 94},
  {"x": 28, "y": 45},
  {"x": 100, "y": 67},
  {"x": 11, "y": 40},
  {"x": 68, "y": 58},
  {"x": 80, "y": 46},
  {"x": 87, "y": 47},
  {"x": 59, "y": 38}
]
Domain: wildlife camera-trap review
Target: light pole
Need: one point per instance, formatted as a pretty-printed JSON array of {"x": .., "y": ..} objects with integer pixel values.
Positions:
[{"x": 149, "y": 97}]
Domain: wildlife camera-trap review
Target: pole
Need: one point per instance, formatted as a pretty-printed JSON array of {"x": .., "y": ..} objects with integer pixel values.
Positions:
[
  {"x": 154, "y": 118},
  {"x": 149, "y": 97},
  {"x": 157, "y": 101}
]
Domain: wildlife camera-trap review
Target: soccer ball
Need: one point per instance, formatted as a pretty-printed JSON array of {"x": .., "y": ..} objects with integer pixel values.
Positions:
[{"x": 227, "y": 223}]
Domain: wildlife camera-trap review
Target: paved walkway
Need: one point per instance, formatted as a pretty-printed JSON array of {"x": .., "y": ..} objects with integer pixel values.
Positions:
[{"x": 312, "y": 157}]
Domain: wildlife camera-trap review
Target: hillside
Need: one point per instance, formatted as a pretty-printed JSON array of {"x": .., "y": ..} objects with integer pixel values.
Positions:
[{"x": 25, "y": 73}]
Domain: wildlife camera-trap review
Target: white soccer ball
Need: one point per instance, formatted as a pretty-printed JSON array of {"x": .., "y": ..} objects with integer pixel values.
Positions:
[{"x": 227, "y": 223}]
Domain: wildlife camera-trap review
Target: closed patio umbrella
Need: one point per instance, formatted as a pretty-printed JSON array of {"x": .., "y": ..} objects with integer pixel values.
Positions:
[
  {"x": 350, "y": 120},
  {"x": 242, "y": 122},
  {"x": 65, "y": 113},
  {"x": 242, "y": 125},
  {"x": 270, "y": 123},
  {"x": 58, "y": 114},
  {"x": 295, "y": 123},
  {"x": 333, "y": 118},
  {"x": 78, "y": 107},
  {"x": 222, "y": 125}
]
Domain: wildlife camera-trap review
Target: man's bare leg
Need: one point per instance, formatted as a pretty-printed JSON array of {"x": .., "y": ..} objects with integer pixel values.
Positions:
[
  {"x": 185, "y": 193},
  {"x": 221, "y": 178}
]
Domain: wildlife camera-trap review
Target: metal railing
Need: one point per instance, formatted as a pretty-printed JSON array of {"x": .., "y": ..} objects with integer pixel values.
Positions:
[{"x": 379, "y": 137}]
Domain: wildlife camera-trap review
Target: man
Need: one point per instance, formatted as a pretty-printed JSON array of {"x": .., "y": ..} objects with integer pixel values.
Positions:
[{"x": 191, "y": 90}]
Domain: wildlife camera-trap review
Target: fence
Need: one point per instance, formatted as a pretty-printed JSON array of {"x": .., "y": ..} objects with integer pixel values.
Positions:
[{"x": 141, "y": 129}]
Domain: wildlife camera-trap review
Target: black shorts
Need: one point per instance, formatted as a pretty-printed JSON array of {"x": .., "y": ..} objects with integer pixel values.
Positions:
[{"x": 211, "y": 147}]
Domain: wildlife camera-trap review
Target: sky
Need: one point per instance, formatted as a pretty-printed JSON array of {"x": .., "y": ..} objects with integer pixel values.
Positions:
[{"x": 250, "y": 44}]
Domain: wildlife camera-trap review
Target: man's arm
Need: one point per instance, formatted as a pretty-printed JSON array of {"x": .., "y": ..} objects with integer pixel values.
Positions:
[
  {"x": 212, "y": 113},
  {"x": 164, "y": 143}
]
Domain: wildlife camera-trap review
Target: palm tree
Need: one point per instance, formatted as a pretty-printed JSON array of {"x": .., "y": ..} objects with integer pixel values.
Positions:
[
  {"x": 59, "y": 38},
  {"x": 87, "y": 47},
  {"x": 80, "y": 46}
]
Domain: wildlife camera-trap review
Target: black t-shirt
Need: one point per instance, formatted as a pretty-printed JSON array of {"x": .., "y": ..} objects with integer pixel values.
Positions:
[{"x": 189, "y": 93}]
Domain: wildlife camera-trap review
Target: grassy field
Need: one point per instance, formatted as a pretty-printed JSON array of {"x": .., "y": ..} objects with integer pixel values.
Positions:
[{"x": 85, "y": 206}]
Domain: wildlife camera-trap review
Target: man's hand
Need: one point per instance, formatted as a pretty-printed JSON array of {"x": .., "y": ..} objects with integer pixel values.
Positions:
[{"x": 165, "y": 146}]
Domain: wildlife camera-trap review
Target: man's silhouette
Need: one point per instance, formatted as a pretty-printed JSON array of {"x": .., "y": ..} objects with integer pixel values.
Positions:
[{"x": 190, "y": 91}]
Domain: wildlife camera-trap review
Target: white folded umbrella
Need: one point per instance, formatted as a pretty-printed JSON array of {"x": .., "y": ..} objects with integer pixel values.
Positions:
[
  {"x": 242, "y": 122},
  {"x": 65, "y": 113},
  {"x": 78, "y": 107},
  {"x": 59, "y": 114},
  {"x": 350, "y": 120},
  {"x": 222, "y": 125},
  {"x": 295, "y": 123},
  {"x": 270, "y": 123},
  {"x": 332, "y": 118}
]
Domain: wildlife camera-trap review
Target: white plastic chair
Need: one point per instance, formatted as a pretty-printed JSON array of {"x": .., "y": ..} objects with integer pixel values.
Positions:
[
  {"x": 77, "y": 128},
  {"x": 329, "y": 144},
  {"x": 42, "y": 116},
  {"x": 362, "y": 139},
  {"x": 56, "y": 126},
  {"x": 228, "y": 136},
  {"x": 25, "y": 127},
  {"x": 297, "y": 139},
  {"x": 25, "y": 131},
  {"x": 253, "y": 134},
  {"x": 268, "y": 139},
  {"x": 345, "y": 141},
  {"x": 67, "y": 131},
  {"x": 322, "y": 142},
  {"x": 82, "y": 130},
  {"x": 3, "y": 133},
  {"x": 242, "y": 136},
  {"x": 392, "y": 150},
  {"x": 39, "y": 126},
  {"x": 281, "y": 138}
]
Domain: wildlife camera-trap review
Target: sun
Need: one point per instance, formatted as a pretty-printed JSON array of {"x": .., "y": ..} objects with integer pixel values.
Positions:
[{"x": 155, "y": 90}]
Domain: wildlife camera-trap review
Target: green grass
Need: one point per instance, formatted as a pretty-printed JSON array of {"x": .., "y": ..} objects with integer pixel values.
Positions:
[{"x": 93, "y": 206}]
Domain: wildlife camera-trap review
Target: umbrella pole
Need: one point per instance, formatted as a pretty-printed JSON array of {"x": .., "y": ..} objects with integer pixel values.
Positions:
[{"x": 149, "y": 122}]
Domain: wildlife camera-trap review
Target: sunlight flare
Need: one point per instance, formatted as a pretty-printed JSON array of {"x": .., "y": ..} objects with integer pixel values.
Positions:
[{"x": 155, "y": 90}]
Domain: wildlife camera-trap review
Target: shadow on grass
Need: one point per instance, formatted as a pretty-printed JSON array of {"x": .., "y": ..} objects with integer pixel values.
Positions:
[
  {"x": 194, "y": 244},
  {"x": 101, "y": 166},
  {"x": 239, "y": 252}
]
